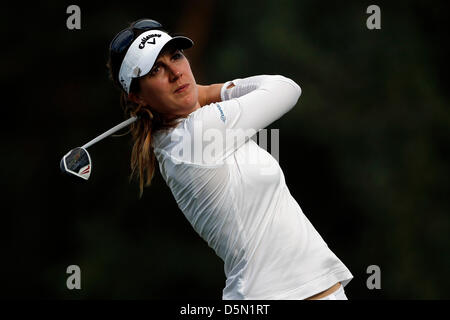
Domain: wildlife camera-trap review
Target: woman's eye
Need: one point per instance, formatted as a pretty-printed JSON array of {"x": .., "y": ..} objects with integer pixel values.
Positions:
[{"x": 154, "y": 71}]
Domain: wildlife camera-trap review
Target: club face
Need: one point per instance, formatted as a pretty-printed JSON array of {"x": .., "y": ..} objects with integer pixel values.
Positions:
[{"x": 77, "y": 162}]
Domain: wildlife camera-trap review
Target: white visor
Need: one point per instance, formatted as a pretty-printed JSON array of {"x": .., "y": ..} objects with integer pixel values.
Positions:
[{"x": 143, "y": 52}]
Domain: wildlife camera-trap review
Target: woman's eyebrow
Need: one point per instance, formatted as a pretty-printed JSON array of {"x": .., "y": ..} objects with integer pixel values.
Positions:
[{"x": 169, "y": 52}]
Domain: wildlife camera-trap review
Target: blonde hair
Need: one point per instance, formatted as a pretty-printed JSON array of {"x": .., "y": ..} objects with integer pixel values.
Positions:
[{"x": 143, "y": 158}]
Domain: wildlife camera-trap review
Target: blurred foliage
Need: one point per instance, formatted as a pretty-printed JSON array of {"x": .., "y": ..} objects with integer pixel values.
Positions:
[{"x": 365, "y": 151}]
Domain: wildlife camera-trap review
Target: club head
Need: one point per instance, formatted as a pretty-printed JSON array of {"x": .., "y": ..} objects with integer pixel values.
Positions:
[{"x": 77, "y": 162}]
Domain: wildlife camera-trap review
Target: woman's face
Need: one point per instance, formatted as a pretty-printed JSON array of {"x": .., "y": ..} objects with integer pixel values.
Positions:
[{"x": 169, "y": 88}]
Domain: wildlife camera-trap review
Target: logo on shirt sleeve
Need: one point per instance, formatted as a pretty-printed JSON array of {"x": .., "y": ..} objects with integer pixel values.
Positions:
[{"x": 222, "y": 116}]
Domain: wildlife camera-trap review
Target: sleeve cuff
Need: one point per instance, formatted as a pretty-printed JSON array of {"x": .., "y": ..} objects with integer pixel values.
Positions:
[{"x": 224, "y": 93}]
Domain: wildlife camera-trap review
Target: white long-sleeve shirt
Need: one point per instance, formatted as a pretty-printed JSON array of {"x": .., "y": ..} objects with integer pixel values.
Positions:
[{"x": 234, "y": 194}]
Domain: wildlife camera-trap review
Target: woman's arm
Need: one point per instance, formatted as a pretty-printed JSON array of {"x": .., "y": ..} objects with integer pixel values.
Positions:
[
  {"x": 262, "y": 100},
  {"x": 245, "y": 106},
  {"x": 249, "y": 103}
]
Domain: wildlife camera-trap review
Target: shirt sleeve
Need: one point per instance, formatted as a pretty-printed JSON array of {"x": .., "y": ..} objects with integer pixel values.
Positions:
[{"x": 251, "y": 105}]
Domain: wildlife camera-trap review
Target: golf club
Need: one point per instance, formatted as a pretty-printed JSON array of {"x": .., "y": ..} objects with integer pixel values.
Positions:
[{"x": 78, "y": 162}]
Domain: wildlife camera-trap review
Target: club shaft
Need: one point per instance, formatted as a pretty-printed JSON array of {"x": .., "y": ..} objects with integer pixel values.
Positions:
[{"x": 110, "y": 131}]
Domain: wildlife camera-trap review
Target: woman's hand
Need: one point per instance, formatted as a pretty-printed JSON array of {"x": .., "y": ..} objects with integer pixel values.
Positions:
[{"x": 209, "y": 94}]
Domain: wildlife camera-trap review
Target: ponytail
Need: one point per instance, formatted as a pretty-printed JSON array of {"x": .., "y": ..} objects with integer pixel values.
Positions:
[
  {"x": 142, "y": 154},
  {"x": 143, "y": 159}
]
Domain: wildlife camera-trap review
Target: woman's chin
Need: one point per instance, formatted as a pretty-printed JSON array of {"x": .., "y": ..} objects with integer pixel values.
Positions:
[
  {"x": 185, "y": 110},
  {"x": 189, "y": 104}
]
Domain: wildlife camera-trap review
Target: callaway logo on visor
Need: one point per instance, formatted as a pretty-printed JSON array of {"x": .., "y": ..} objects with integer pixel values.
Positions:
[{"x": 144, "y": 40}]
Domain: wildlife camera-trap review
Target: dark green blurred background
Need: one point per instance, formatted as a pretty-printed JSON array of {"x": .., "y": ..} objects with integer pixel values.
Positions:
[{"x": 365, "y": 152}]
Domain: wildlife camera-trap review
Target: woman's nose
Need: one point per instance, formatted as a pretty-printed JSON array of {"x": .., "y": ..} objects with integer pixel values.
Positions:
[{"x": 174, "y": 74}]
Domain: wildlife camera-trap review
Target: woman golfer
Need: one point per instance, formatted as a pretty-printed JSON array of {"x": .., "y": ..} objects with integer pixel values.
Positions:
[{"x": 232, "y": 191}]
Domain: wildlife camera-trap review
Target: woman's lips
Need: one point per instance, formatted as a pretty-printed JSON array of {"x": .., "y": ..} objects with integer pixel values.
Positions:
[{"x": 182, "y": 88}]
